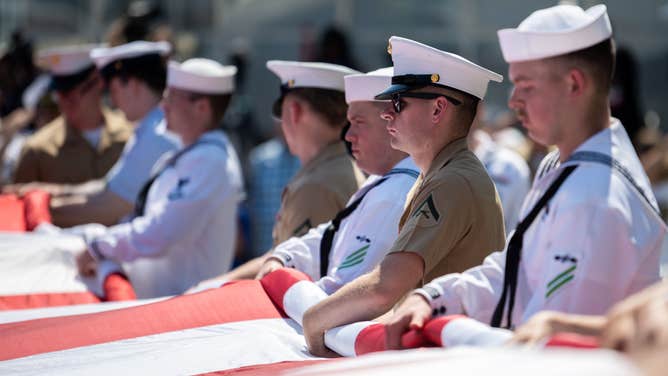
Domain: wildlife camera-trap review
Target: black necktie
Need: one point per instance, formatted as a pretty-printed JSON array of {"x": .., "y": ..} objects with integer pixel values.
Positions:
[
  {"x": 514, "y": 252},
  {"x": 140, "y": 202}
]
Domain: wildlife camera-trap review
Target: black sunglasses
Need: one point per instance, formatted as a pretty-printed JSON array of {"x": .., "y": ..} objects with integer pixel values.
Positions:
[{"x": 396, "y": 99}]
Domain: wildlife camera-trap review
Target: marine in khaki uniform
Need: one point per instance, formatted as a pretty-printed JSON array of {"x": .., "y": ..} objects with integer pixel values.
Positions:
[
  {"x": 320, "y": 189},
  {"x": 312, "y": 110},
  {"x": 60, "y": 154},
  {"x": 86, "y": 140},
  {"x": 451, "y": 235},
  {"x": 453, "y": 218}
]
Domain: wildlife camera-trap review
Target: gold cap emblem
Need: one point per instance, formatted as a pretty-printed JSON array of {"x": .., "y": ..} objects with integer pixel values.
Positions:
[
  {"x": 291, "y": 83},
  {"x": 54, "y": 60},
  {"x": 389, "y": 48},
  {"x": 435, "y": 77}
]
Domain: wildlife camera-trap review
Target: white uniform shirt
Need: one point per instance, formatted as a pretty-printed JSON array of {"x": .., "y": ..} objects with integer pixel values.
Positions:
[
  {"x": 510, "y": 174},
  {"x": 364, "y": 237},
  {"x": 596, "y": 242},
  {"x": 133, "y": 169},
  {"x": 188, "y": 229}
]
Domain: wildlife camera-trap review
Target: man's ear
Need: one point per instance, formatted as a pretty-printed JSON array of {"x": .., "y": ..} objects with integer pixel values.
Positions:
[
  {"x": 295, "y": 111},
  {"x": 203, "y": 106},
  {"x": 577, "y": 82},
  {"x": 438, "y": 110}
]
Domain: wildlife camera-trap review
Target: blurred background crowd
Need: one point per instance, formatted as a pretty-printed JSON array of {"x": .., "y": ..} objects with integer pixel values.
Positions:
[{"x": 247, "y": 33}]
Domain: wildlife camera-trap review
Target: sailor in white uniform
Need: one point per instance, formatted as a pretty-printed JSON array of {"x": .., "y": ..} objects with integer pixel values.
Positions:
[
  {"x": 509, "y": 172},
  {"x": 590, "y": 233},
  {"x": 143, "y": 62},
  {"x": 358, "y": 238},
  {"x": 185, "y": 220}
]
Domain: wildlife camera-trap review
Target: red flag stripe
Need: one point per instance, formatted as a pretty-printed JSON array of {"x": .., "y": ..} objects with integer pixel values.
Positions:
[
  {"x": 36, "y": 209},
  {"x": 27, "y": 301},
  {"x": 209, "y": 307},
  {"x": 116, "y": 287},
  {"x": 12, "y": 213},
  {"x": 277, "y": 283},
  {"x": 270, "y": 369}
]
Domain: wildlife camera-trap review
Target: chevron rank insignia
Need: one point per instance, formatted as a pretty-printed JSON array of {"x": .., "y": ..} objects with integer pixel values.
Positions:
[{"x": 426, "y": 213}]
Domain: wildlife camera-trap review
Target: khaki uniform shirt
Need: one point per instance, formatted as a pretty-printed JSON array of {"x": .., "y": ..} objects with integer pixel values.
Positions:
[
  {"x": 453, "y": 217},
  {"x": 317, "y": 193},
  {"x": 60, "y": 154}
]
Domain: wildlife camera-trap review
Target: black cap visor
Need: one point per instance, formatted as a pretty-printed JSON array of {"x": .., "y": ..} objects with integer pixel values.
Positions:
[
  {"x": 406, "y": 82},
  {"x": 392, "y": 90},
  {"x": 65, "y": 83}
]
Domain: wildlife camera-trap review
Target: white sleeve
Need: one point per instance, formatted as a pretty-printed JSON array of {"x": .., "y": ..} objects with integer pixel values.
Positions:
[
  {"x": 303, "y": 253},
  {"x": 474, "y": 292},
  {"x": 201, "y": 179},
  {"x": 603, "y": 261},
  {"x": 366, "y": 238}
]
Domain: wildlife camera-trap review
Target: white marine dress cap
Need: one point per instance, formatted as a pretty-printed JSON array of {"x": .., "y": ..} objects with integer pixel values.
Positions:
[
  {"x": 417, "y": 65},
  {"x": 298, "y": 74}
]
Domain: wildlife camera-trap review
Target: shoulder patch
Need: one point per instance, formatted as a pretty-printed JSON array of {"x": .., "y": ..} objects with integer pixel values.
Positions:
[
  {"x": 177, "y": 193},
  {"x": 426, "y": 212}
]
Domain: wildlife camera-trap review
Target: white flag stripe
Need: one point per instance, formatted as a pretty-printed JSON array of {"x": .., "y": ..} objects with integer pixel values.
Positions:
[
  {"x": 300, "y": 297},
  {"x": 40, "y": 313},
  {"x": 33, "y": 264},
  {"x": 469, "y": 332},
  {"x": 191, "y": 351},
  {"x": 342, "y": 338},
  {"x": 476, "y": 361}
]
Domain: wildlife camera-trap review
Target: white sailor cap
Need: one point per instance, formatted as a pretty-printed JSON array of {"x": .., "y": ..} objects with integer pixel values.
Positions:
[
  {"x": 364, "y": 87},
  {"x": 294, "y": 74},
  {"x": 130, "y": 57},
  {"x": 555, "y": 31},
  {"x": 68, "y": 66},
  {"x": 203, "y": 76},
  {"x": 297, "y": 74},
  {"x": 417, "y": 65}
]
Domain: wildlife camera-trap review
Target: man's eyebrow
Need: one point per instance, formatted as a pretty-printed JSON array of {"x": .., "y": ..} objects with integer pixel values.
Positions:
[{"x": 520, "y": 79}]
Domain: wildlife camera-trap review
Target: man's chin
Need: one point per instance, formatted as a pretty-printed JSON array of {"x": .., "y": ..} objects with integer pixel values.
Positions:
[{"x": 396, "y": 145}]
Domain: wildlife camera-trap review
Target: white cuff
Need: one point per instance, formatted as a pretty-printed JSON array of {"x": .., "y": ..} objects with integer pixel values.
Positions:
[
  {"x": 284, "y": 257},
  {"x": 94, "y": 251},
  {"x": 436, "y": 298}
]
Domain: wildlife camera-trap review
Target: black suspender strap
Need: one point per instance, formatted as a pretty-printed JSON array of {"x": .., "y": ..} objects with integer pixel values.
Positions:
[
  {"x": 328, "y": 236},
  {"x": 596, "y": 157},
  {"x": 140, "y": 203},
  {"x": 514, "y": 252}
]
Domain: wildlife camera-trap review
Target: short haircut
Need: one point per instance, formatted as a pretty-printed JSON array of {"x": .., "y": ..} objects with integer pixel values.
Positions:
[
  {"x": 150, "y": 69},
  {"x": 598, "y": 61},
  {"x": 330, "y": 104},
  {"x": 218, "y": 104},
  {"x": 468, "y": 108}
]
